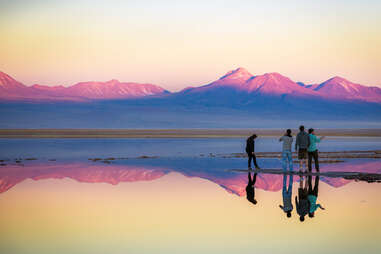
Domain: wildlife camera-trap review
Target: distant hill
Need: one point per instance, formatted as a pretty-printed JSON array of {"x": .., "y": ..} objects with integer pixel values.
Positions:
[{"x": 12, "y": 90}]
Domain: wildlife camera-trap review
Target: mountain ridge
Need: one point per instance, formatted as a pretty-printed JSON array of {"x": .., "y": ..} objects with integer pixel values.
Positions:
[
  {"x": 238, "y": 80},
  {"x": 11, "y": 89}
]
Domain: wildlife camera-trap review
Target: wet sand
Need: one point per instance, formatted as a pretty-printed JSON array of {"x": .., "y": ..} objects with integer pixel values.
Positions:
[{"x": 173, "y": 133}]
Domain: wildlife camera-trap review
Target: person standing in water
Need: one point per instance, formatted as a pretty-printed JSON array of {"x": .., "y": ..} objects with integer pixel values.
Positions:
[
  {"x": 286, "y": 151},
  {"x": 313, "y": 151},
  {"x": 250, "y": 188},
  {"x": 287, "y": 206},
  {"x": 301, "y": 146},
  {"x": 250, "y": 150}
]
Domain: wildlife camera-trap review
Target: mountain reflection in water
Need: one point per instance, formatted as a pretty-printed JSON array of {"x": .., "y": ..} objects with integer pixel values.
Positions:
[{"x": 90, "y": 172}]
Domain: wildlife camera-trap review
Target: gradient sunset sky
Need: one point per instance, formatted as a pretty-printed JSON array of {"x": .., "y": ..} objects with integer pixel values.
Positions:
[{"x": 187, "y": 43}]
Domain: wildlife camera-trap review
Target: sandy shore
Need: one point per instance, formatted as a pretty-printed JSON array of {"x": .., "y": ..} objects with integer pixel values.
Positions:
[{"x": 172, "y": 133}]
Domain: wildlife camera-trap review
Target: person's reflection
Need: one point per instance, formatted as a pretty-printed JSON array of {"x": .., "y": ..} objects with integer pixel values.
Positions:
[
  {"x": 303, "y": 205},
  {"x": 250, "y": 188},
  {"x": 287, "y": 195},
  {"x": 312, "y": 196}
]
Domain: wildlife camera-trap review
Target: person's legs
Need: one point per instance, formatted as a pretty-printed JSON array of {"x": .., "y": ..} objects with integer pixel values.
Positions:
[
  {"x": 316, "y": 160},
  {"x": 284, "y": 189},
  {"x": 305, "y": 159},
  {"x": 284, "y": 161},
  {"x": 305, "y": 163},
  {"x": 255, "y": 161},
  {"x": 249, "y": 160},
  {"x": 309, "y": 184},
  {"x": 309, "y": 161},
  {"x": 290, "y": 163},
  {"x": 290, "y": 182},
  {"x": 300, "y": 160},
  {"x": 316, "y": 187},
  {"x": 254, "y": 178},
  {"x": 249, "y": 178},
  {"x": 305, "y": 185}
]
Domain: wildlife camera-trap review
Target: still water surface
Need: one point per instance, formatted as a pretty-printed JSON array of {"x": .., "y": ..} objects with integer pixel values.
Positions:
[
  {"x": 171, "y": 147},
  {"x": 180, "y": 202}
]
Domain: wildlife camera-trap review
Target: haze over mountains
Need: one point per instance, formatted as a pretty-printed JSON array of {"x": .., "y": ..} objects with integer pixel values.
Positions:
[{"x": 236, "y": 100}]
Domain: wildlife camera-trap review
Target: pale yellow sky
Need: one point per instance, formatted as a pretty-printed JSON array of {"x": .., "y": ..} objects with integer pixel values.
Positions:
[{"x": 179, "y": 43}]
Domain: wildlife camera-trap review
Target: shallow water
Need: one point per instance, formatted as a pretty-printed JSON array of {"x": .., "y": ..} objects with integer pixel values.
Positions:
[
  {"x": 178, "y": 202},
  {"x": 171, "y": 147}
]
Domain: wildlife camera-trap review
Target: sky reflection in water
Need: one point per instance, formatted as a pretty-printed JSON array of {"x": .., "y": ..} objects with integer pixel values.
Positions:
[{"x": 187, "y": 205}]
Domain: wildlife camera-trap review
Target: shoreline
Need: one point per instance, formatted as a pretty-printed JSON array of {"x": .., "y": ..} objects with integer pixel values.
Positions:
[{"x": 174, "y": 133}]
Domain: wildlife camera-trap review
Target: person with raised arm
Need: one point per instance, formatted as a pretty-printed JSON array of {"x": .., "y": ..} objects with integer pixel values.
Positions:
[
  {"x": 286, "y": 150},
  {"x": 313, "y": 151}
]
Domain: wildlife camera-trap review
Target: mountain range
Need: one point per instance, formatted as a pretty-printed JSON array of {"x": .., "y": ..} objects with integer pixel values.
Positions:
[
  {"x": 238, "y": 99},
  {"x": 238, "y": 81},
  {"x": 12, "y": 90}
]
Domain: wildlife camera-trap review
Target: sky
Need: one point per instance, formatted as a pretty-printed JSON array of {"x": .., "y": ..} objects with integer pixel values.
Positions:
[{"x": 176, "y": 44}]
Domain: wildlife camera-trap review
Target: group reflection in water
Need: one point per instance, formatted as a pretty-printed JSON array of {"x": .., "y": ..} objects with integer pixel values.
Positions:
[{"x": 305, "y": 201}]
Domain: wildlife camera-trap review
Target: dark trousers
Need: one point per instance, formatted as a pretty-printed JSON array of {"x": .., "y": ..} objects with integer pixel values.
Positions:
[
  {"x": 314, "y": 155},
  {"x": 251, "y": 181},
  {"x": 313, "y": 191},
  {"x": 252, "y": 157}
]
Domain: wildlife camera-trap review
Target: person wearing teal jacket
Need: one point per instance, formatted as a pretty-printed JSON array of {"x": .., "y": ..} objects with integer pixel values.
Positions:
[{"x": 313, "y": 151}]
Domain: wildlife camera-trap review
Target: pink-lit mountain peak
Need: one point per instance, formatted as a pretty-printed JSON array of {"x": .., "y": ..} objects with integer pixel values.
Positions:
[
  {"x": 8, "y": 82},
  {"x": 338, "y": 82},
  {"x": 272, "y": 77},
  {"x": 338, "y": 87},
  {"x": 271, "y": 83},
  {"x": 238, "y": 74},
  {"x": 275, "y": 83}
]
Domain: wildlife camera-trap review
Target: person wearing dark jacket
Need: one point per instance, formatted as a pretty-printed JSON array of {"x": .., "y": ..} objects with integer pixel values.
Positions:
[
  {"x": 250, "y": 150},
  {"x": 301, "y": 145},
  {"x": 250, "y": 188}
]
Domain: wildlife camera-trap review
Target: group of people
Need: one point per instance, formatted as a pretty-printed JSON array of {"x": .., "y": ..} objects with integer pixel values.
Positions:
[{"x": 305, "y": 145}]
